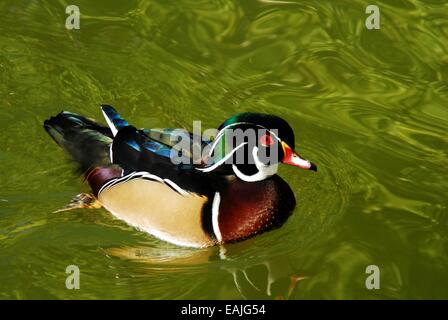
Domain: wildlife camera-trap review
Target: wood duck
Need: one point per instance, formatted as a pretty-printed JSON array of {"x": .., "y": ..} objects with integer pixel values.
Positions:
[{"x": 226, "y": 195}]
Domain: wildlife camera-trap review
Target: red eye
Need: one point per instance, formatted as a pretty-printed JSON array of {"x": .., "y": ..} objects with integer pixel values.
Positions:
[{"x": 266, "y": 140}]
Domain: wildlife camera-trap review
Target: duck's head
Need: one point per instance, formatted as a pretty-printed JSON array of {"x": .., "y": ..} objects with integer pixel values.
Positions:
[{"x": 251, "y": 145}]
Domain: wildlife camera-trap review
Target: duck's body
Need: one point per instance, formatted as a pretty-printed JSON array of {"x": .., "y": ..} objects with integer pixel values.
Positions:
[
  {"x": 132, "y": 175},
  {"x": 226, "y": 213}
]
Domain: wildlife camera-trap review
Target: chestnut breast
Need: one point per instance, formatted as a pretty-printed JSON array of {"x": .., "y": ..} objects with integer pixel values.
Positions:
[{"x": 249, "y": 208}]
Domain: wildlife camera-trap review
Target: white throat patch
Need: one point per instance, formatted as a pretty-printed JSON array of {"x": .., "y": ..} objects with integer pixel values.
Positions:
[{"x": 264, "y": 171}]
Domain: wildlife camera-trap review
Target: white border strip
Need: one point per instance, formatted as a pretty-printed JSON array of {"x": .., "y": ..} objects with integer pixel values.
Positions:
[{"x": 215, "y": 216}]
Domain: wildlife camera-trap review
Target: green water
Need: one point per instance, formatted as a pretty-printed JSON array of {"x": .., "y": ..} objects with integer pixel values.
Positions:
[{"x": 369, "y": 107}]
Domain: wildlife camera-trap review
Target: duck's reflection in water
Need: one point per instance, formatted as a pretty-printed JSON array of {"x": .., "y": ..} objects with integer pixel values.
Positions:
[
  {"x": 254, "y": 278},
  {"x": 279, "y": 282}
]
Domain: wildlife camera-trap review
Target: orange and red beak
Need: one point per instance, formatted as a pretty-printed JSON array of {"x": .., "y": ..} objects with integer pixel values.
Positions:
[{"x": 292, "y": 158}]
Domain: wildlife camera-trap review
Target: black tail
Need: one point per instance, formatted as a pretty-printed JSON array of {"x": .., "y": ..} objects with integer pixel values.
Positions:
[{"x": 84, "y": 140}]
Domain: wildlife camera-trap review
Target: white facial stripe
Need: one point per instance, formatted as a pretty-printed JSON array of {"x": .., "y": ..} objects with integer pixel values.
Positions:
[
  {"x": 222, "y": 131},
  {"x": 215, "y": 216},
  {"x": 264, "y": 171},
  {"x": 220, "y": 135},
  {"x": 220, "y": 162}
]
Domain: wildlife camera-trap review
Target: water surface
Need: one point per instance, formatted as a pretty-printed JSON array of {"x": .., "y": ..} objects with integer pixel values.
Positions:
[{"x": 368, "y": 106}]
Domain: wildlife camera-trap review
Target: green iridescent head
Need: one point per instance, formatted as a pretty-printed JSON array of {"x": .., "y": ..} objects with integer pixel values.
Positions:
[{"x": 251, "y": 145}]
